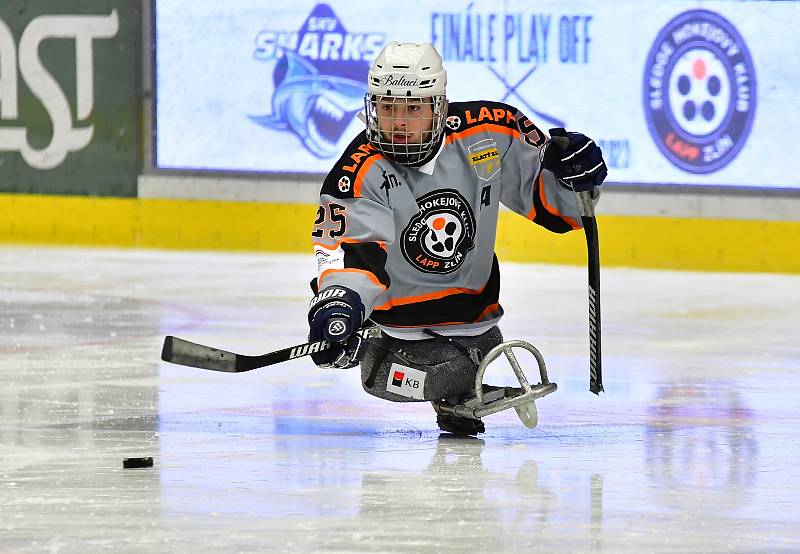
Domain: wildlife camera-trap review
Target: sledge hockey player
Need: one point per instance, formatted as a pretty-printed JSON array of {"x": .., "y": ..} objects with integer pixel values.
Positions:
[{"x": 404, "y": 234}]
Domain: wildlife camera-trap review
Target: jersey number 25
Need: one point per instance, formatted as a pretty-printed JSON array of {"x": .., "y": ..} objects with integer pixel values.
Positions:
[{"x": 335, "y": 224}]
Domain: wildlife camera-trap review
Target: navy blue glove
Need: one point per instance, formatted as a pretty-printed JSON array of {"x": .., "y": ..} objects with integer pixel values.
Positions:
[
  {"x": 335, "y": 315},
  {"x": 575, "y": 159}
]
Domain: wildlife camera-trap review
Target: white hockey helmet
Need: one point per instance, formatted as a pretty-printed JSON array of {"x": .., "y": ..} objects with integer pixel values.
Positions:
[{"x": 407, "y": 73}]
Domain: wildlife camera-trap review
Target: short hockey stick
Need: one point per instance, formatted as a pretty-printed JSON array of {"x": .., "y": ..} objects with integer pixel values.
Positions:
[
  {"x": 184, "y": 352},
  {"x": 586, "y": 209}
]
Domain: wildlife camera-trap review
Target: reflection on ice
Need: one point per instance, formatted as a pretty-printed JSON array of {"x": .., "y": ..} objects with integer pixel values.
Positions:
[{"x": 699, "y": 439}]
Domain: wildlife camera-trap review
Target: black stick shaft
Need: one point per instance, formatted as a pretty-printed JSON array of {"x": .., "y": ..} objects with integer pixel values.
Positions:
[
  {"x": 595, "y": 359},
  {"x": 184, "y": 352},
  {"x": 586, "y": 207}
]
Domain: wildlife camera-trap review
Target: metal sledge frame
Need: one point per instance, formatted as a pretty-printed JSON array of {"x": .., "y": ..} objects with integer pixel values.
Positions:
[{"x": 493, "y": 401}]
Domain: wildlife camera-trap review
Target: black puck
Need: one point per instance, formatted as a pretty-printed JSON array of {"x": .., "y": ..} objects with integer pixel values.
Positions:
[{"x": 135, "y": 463}]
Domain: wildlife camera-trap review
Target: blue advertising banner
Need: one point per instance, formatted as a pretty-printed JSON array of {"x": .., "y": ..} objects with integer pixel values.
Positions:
[{"x": 676, "y": 92}]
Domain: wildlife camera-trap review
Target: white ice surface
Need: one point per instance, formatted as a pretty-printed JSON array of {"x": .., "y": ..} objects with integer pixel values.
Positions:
[{"x": 693, "y": 448}]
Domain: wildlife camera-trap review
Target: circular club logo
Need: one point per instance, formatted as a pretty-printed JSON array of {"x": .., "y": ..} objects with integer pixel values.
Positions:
[
  {"x": 438, "y": 237},
  {"x": 453, "y": 122},
  {"x": 699, "y": 91}
]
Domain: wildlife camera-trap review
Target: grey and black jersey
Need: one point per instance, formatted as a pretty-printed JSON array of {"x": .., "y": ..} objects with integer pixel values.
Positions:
[{"x": 417, "y": 244}]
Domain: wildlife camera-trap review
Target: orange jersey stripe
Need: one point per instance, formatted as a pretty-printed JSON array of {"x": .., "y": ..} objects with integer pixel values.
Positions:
[
  {"x": 483, "y": 127},
  {"x": 425, "y": 297},
  {"x": 489, "y": 309},
  {"x": 532, "y": 213},
  {"x": 362, "y": 172},
  {"x": 552, "y": 209},
  {"x": 368, "y": 274}
]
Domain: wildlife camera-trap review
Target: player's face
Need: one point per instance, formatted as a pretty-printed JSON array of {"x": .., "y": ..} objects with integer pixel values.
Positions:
[{"x": 404, "y": 120}]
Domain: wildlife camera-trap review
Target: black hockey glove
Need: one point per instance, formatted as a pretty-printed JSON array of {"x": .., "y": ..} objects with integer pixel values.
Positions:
[
  {"x": 575, "y": 159},
  {"x": 335, "y": 315}
]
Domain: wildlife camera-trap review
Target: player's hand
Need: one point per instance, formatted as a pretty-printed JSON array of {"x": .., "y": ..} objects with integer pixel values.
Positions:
[
  {"x": 575, "y": 159},
  {"x": 335, "y": 315}
]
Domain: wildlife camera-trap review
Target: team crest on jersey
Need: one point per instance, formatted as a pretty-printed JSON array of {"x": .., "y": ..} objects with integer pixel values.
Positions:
[
  {"x": 344, "y": 184},
  {"x": 453, "y": 122},
  {"x": 699, "y": 91},
  {"x": 438, "y": 237},
  {"x": 484, "y": 158}
]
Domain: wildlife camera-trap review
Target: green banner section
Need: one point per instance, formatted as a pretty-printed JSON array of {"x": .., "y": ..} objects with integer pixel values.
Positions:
[{"x": 70, "y": 96}]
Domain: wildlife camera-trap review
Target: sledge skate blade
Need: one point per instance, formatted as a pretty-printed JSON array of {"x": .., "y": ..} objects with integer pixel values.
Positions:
[
  {"x": 527, "y": 414},
  {"x": 498, "y": 400}
]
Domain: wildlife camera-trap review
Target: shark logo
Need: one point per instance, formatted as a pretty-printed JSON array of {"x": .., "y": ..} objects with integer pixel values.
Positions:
[
  {"x": 314, "y": 107},
  {"x": 320, "y": 79}
]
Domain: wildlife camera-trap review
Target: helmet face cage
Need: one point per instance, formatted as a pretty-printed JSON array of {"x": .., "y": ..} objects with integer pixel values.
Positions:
[{"x": 405, "y": 128}]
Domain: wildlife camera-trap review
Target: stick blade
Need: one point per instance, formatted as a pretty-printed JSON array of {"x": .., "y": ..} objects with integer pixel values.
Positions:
[{"x": 184, "y": 352}]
